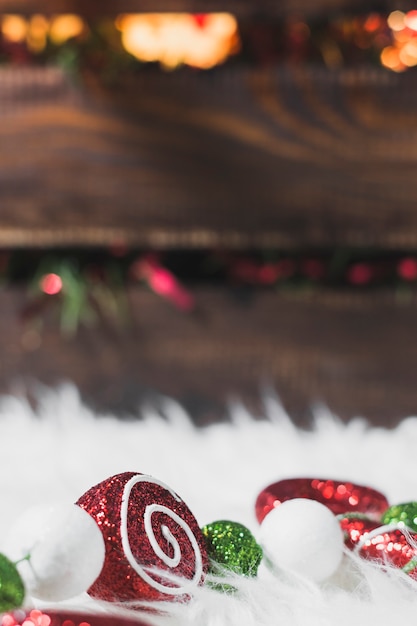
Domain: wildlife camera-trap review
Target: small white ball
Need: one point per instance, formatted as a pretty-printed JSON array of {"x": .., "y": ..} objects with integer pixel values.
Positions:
[
  {"x": 304, "y": 537},
  {"x": 65, "y": 548}
]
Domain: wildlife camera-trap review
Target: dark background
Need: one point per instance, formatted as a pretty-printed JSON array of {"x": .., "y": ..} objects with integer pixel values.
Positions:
[{"x": 250, "y": 160}]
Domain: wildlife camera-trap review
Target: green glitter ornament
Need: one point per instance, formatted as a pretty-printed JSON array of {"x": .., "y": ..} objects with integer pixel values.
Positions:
[
  {"x": 12, "y": 590},
  {"x": 405, "y": 514},
  {"x": 232, "y": 546}
]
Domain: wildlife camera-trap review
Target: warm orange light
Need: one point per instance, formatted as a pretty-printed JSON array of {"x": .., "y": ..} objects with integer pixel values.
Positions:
[
  {"x": 372, "y": 22},
  {"x": 408, "y": 54},
  {"x": 403, "y": 53},
  {"x": 180, "y": 38},
  {"x": 14, "y": 28},
  {"x": 396, "y": 20},
  {"x": 37, "y": 32},
  {"x": 390, "y": 58},
  {"x": 402, "y": 36},
  {"x": 410, "y": 20},
  {"x": 64, "y": 27}
]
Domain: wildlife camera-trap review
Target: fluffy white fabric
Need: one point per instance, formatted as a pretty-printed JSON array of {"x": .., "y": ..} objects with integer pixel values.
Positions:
[{"x": 61, "y": 450}]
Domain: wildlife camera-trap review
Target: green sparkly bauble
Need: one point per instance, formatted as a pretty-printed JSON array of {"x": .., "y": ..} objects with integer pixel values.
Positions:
[
  {"x": 12, "y": 590},
  {"x": 232, "y": 547},
  {"x": 402, "y": 513}
]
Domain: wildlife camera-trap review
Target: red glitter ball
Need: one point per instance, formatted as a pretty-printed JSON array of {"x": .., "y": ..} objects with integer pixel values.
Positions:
[
  {"x": 389, "y": 546},
  {"x": 340, "y": 497},
  {"x": 66, "y": 618},
  {"x": 355, "y": 527},
  {"x": 155, "y": 549}
]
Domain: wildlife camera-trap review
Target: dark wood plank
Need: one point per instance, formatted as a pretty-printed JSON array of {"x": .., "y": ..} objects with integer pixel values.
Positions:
[
  {"x": 354, "y": 352},
  {"x": 235, "y": 158}
]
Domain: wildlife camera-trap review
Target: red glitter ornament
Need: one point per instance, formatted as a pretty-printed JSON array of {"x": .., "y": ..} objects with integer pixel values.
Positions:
[
  {"x": 392, "y": 546},
  {"x": 155, "y": 549},
  {"x": 355, "y": 527},
  {"x": 55, "y": 617},
  {"x": 340, "y": 497}
]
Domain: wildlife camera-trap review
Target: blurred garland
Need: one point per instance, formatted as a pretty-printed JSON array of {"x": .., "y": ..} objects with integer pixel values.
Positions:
[
  {"x": 339, "y": 40},
  {"x": 88, "y": 287},
  {"x": 97, "y": 51}
]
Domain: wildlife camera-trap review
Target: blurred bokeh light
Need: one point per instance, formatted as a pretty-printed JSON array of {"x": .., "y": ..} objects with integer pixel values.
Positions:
[
  {"x": 173, "y": 39},
  {"x": 402, "y": 54}
]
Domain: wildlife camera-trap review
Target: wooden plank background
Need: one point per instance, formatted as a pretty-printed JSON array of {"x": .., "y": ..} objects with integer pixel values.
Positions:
[
  {"x": 356, "y": 353},
  {"x": 235, "y": 158}
]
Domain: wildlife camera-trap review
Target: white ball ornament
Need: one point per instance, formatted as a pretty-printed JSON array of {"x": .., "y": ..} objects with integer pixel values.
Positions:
[
  {"x": 62, "y": 550},
  {"x": 303, "y": 537}
]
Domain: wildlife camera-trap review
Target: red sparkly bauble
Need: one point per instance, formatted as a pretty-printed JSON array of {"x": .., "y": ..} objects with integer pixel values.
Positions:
[
  {"x": 55, "y": 617},
  {"x": 355, "y": 527},
  {"x": 390, "y": 546},
  {"x": 339, "y": 497},
  {"x": 155, "y": 549}
]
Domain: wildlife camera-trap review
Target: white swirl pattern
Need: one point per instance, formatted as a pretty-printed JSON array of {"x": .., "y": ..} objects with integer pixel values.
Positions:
[
  {"x": 182, "y": 585},
  {"x": 380, "y": 530}
]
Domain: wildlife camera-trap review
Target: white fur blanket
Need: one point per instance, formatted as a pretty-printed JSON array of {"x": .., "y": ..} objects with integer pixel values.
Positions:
[{"x": 61, "y": 450}]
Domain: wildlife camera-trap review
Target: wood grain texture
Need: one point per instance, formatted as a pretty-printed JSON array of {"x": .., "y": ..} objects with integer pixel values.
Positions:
[
  {"x": 236, "y": 158},
  {"x": 354, "y": 352}
]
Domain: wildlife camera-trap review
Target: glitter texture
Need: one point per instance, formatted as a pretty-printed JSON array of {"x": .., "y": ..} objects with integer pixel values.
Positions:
[
  {"x": 64, "y": 618},
  {"x": 162, "y": 551},
  {"x": 402, "y": 514},
  {"x": 391, "y": 547},
  {"x": 339, "y": 497},
  {"x": 232, "y": 546},
  {"x": 355, "y": 527},
  {"x": 12, "y": 591}
]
